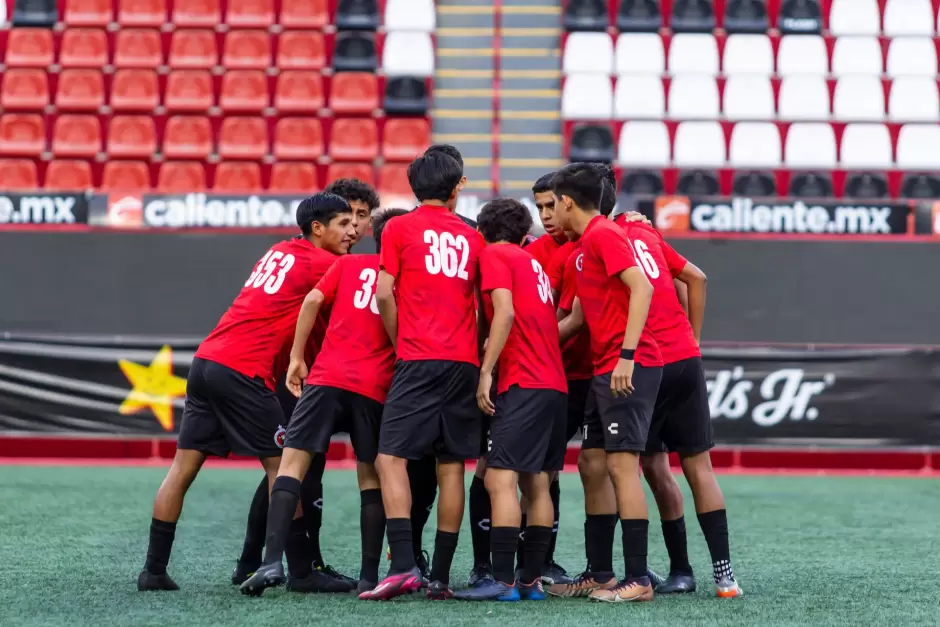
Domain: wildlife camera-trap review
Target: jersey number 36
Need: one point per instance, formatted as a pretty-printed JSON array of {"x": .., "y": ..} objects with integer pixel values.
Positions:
[{"x": 447, "y": 254}]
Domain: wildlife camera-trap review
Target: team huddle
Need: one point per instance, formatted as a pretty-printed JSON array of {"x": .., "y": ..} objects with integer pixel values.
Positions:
[{"x": 460, "y": 341}]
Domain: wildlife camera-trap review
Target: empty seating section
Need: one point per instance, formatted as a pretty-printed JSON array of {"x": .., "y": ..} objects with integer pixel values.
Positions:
[
  {"x": 231, "y": 95},
  {"x": 789, "y": 96}
]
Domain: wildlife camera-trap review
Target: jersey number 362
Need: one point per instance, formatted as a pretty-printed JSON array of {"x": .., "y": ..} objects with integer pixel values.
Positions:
[{"x": 447, "y": 254}]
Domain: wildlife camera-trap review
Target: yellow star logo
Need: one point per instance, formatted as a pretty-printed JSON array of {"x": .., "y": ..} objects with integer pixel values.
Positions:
[{"x": 154, "y": 386}]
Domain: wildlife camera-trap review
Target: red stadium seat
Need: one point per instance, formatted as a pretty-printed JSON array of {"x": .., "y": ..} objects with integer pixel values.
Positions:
[
  {"x": 393, "y": 180},
  {"x": 84, "y": 47},
  {"x": 299, "y": 92},
  {"x": 138, "y": 47},
  {"x": 354, "y": 140},
  {"x": 197, "y": 13},
  {"x": 135, "y": 90},
  {"x": 87, "y": 12},
  {"x": 294, "y": 178},
  {"x": 354, "y": 92},
  {"x": 237, "y": 177},
  {"x": 301, "y": 50},
  {"x": 18, "y": 174},
  {"x": 298, "y": 138},
  {"x": 29, "y": 47},
  {"x": 361, "y": 171},
  {"x": 189, "y": 90},
  {"x": 26, "y": 89},
  {"x": 305, "y": 13},
  {"x": 193, "y": 49},
  {"x": 68, "y": 176},
  {"x": 243, "y": 138},
  {"x": 150, "y": 13},
  {"x": 22, "y": 134},
  {"x": 132, "y": 136},
  {"x": 181, "y": 177},
  {"x": 247, "y": 50},
  {"x": 250, "y": 13},
  {"x": 187, "y": 137},
  {"x": 127, "y": 176},
  {"x": 80, "y": 90},
  {"x": 244, "y": 91},
  {"x": 404, "y": 139},
  {"x": 76, "y": 136}
]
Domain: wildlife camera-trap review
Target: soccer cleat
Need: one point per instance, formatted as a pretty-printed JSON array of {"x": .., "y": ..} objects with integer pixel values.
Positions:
[
  {"x": 335, "y": 574},
  {"x": 423, "y": 562},
  {"x": 585, "y": 584},
  {"x": 322, "y": 580},
  {"x": 676, "y": 583},
  {"x": 655, "y": 578},
  {"x": 638, "y": 589},
  {"x": 728, "y": 588},
  {"x": 479, "y": 573},
  {"x": 553, "y": 573},
  {"x": 242, "y": 572},
  {"x": 532, "y": 591},
  {"x": 148, "y": 582},
  {"x": 489, "y": 590},
  {"x": 267, "y": 576},
  {"x": 365, "y": 585},
  {"x": 438, "y": 591},
  {"x": 393, "y": 586}
]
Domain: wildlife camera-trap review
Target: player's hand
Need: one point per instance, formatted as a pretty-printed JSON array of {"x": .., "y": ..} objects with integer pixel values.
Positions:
[
  {"x": 296, "y": 374},
  {"x": 621, "y": 381},
  {"x": 483, "y": 393},
  {"x": 636, "y": 216}
]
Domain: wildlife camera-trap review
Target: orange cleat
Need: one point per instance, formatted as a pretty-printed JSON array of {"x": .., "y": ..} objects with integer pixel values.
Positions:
[{"x": 628, "y": 590}]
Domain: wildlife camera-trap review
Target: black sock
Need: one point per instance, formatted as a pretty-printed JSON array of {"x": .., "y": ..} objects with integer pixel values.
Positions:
[
  {"x": 635, "y": 541},
  {"x": 161, "y": 543},
  {"x": 715, "y": 527},
  {"x": 372, "y": 532},
  {"x": 399, "y": 544},
  {"x": 537, "y": 541},
  {"x": 445, "y": 545},
  {"x": 311, "y": 494},
  {"x": 257, "y": 525},
  {"x": 299, "y": 556},
  {"x": 422, "y": 475},
  {"x": 480, "y": 512},
  {"x": 677, "y": 546},
  {"x": 504, "y": 541},
  {"x": 599, "y": 542},
  {"x": 520, "y": 545},
  {"x": 284, "y": 496},
  {"x": 555, "y": 491}
]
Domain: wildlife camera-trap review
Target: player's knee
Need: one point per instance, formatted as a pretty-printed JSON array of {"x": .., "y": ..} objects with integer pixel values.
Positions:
[
  {"x": 622, "y": 465},
  {"x": 367, "y": 476},
  {"x": 592, "y": 465},
  {"x": 500, "y": 481},
  {"x": 657, "y": 473},
  {"x": 481, "y": 468}
]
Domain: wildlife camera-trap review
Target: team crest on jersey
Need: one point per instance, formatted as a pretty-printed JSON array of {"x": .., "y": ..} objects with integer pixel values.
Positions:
[
  {"x": 279, "y": 436},
  {"x": 577, "y": 262}
]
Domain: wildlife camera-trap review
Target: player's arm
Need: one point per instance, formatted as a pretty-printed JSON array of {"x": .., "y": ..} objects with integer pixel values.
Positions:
[
  {"x": 503, "y": 314},
  {"x": 483, "y": 327},
  {"x": 569, "y": 325},
  {"x": 694, "y": 280},
  {"x": 682, "y": 291},
  {"x": 388, "y": 308},
  {"x": 641, "y": 294},
  {"x": 298, "y": 371},
  {"x": 636, "y": 216}
]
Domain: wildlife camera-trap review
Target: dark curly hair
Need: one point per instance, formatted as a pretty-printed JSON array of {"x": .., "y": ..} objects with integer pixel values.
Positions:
[
  {"x": 378, "y": 224},
  {"x": 504, "y": 220},
  {"x": 354, "y": 189}
]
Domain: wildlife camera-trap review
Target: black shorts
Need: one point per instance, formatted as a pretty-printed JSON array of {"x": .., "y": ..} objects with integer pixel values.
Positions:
[
  {"x": 681, "y": 419},
  {"x": 228, "y": 412},
  {"x": 527, "y": 433},
  {"x": 578, "y": 393},
  {"x": 323, "y": 410},
  {"x": 432, "y": 407},
  {"x": 286, "y": 398},
  {"x": 622, "y": 424}
]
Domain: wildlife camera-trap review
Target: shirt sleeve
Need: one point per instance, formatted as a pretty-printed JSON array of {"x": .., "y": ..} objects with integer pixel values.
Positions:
[
  {"x": 674, "y": 261},
  {"x": 569, "y": 287},
  {"x": 556, "y": 267},
  {"x": 390, "y": 258},
  {"x": 494, "y": 273},
  {"x": 330, "y": 282},
  {"x": 615, "y": 252}
]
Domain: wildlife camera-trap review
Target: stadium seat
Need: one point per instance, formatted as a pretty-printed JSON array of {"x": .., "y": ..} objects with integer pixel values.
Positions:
[
  {"x": 405, "y": 95},
  {"x": 639, "y": 96},
  {"x": 591, "y": 143},
  {"x": 748, "y": 54},
  {"x": 299, "y": 92},
  {"x": 586, "y": 15},
  {"x": 859, "y": 97},
  {"x": 354, "y": 139},
  {"x": 134, "y": 90},
  {"x": 588, "y": 53},
  {"x": 803, "y": 97},
  {"x": 84, "y": 47},
  {"x": 355, "y": 52},
  {"x": 810, "y": 145},
  {"x": 68, "y": 175},
  {"x": 181, "y": 177},
  {"x": 908, "y": 17},
  {"x": 250, "y": 14},
  {"x": 866, "y": 146},
  {"x": 407, "y": 54},
  {"x": 800, "y": 17},
  {"x": 811, "y": 185},
  {"x": 298, "y": 178},
  {"x": 857, "y": 55},
  {"x": 919, "y": 147},
  {"x": 298, "y": 138},
  {"x": 76, "y": 136},
  {"x": 354, "y": 92},
  {"x": 693, "y": 96},
  {"x": 362, "y": 171},
  {"x": 187, "y": 137},
  {"x": 640, "y": 53},
  {"x": 247, "y": 50},
  {"x": 237, "y": 177},
  {"x": 642, "y": 183},
  {"x": 39, "y": 13},
  {"x": 410, "y": 15},
  {"x": 132, "y": 136},
  {"x": 138, "y": 48},
  {"x": 854, "y": 17},
  {"x": 914, "y": 99},
  {"x": 80, "y": 90},
  {"x": 644, "y": 144},
  {"x": 693, "y": 16},
  {"x": 749, "y": 97},
  {"x": 22, "y": 134},
  {"x": 693, "y": 53},
  {"x": 29, "y": 47},
  {"x": 129, "y": 176},
  {"x": 193, "y": 49},
  {"x": 87, "y": 12},
  {"x": 912, "y": 56},
  {"x": 243, "y": 138},
  {"x": 24, "y": 89},
  {"x": 405, "y": 139},
  {"x": 304, "y": 13},
  {"x": 189, "y": 90},
  {"x": 802, "y": 54},
  {"x": 301, "y": 50},
  {"x": 18, "y": 174},
  {"x": 753, "y": 183},
  {"x": 357, "y": 15},
  {"x": 920, "y": 185},
  {"x": 755, "y": 145},
  {"x": 196, "y": 14},
  {"x": 746, "y": 16},
  {"x": 146, "y": 13},
  {"x": 393, "y": 182},
  {"x": 699, "y": 144},
  {"x": 698, "y": 182},
  {"x": 587, "y": 97},
  {"x": 244, "y": 91},
  {"x": 866, "y": 185},
  {"x": 639, "y": 16}
]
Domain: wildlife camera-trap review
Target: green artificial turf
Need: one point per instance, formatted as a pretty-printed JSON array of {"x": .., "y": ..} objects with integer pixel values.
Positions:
[{"x": 807, "y": 551}]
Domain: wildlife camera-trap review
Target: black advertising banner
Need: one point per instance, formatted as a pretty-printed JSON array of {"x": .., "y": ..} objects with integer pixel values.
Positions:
[
  {"x": 198, "y": 210},
  {"x": 38, "y": 209}
]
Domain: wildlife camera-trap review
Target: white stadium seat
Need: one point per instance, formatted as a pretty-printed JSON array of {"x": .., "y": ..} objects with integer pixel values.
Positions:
[
  {"x": 587, "y": 97},
  {"x": 854, "y": 17},
  {"x": 640, "y": 53},
  {"x": 810, "y": 145},
  {"x": 699, "y": 144},
  {"x": 919, "y": 147},
  {"x": 866, "y": 146},
  {"x": 588, "y": 53},
  {"x": 803, "y": 97},
  {"x": 908, "y": 17},
  {"x": 410, "y": 15},
  {"x": 755, "y": 145},
  {"x": 749, "y": 97},
  {"x": 748, "y": 54},
  {"x": 857, "y": 55},
  {"x": 643, "y": 144},
  {"x": 802, "y": 54},
  {"x": 914, "y": 99},
  {"x": 693, "y": 96},
  {"x": 912, "y": 56},
  {"x": 693, "y": 53},
  {"x": 639, "y": 96},
  {"x": 859, "y": 97},
  {"x": 408, "y": 54}
]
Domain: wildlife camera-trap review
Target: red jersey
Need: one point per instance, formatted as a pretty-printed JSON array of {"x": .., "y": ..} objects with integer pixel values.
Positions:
[
  {"x": 576, "y": 353},
  {"x": 667, "y": 320},
  {"x": 254, "y": 331},
  {"x": 542, "y": 249},
  {"x": 356, "y": 354},
  {"x": 531, "y": 358},
  {"x": 606, "y": 252},
  {"x": 433, "y": 256}
]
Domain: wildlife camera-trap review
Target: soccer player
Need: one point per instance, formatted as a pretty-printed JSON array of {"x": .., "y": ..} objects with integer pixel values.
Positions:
[
  {"x": 231, "y": 405},
  {"x": 430, "y": 257},
  {"x": 345, "y": 391},
  {"x": 527, "y": 432},
  {"x": 615, "y": 296}
]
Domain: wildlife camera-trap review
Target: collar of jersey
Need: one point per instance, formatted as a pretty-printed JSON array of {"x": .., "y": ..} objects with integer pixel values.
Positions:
[
  {"x": 594, "y": 222},
  {"x": 432, "y": 208}
]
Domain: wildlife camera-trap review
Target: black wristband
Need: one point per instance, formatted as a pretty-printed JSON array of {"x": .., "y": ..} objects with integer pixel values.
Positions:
[{"x": 627, "y": 353}]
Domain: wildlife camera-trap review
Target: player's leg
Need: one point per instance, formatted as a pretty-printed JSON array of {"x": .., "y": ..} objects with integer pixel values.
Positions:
[
  {"x": 422, "y": 478},
  {"x": 668, "y": 498},
  {"x": 253, "y": 545},
  {"x": 450, "y": 506},
  {"x": 365, "y": 419},
  {"x": 480, "y": 523}
]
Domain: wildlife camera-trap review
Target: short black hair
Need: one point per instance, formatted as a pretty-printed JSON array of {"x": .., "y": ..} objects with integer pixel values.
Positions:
[
  {"x": 354, "y": 189},
  {"x": 322, "y": 208},
  {"x": 449, "y": 150},
  {"x": 582, "y": 182},
  {"x": 378, "y": 224},
  {"x": 608, "y": 200},
  {"x": 434, "y": 176},
  {"x": 504, "y": 220},
  {"x": 544, "y": 184}
]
